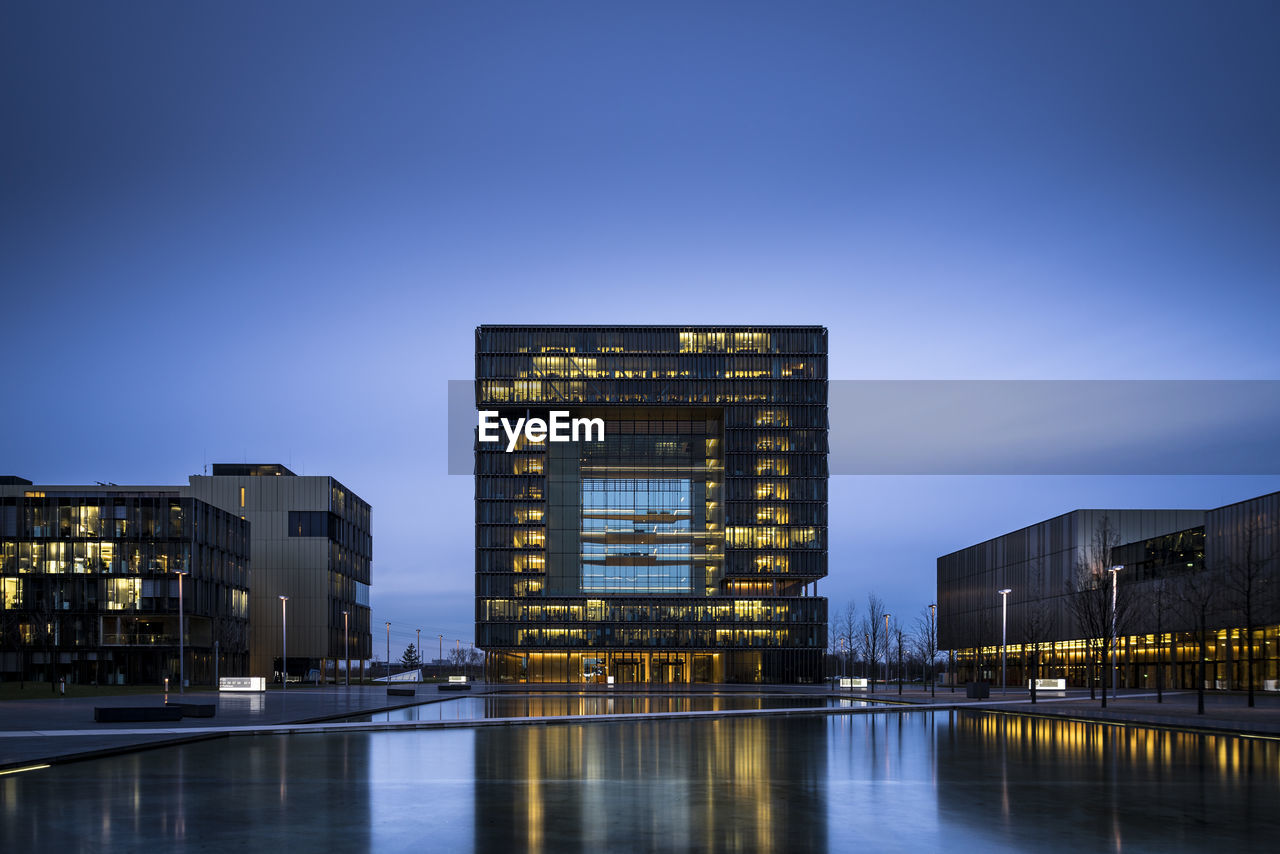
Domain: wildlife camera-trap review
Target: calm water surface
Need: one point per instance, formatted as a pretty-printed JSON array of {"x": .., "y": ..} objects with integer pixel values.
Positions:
[
  {"x": 921, "y": 781},
  {"x": 556, "y": 705}
]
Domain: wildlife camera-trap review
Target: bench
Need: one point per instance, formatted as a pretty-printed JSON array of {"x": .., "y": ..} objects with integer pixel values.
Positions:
[
  {"x": 195, "y": 710},
  {"x": 135, "y": 714},
  {"x": 401, "y": 692},
  {"x": 455, "y": 683}
]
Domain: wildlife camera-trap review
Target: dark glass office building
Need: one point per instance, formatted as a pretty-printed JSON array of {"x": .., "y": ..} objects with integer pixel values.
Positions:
[
  {"x": 89, "y": 585},
  {"x": 684, "y": 547},
  {"x": 1167, "y": 564}
]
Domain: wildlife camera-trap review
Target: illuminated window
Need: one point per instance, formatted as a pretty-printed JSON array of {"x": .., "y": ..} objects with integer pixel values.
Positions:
[
  {"x": 772, "y": 466},
  {"x": 123, "y": 593},
  {"x": 636, "y": 535},
  {"x": 772, "y": 418}
]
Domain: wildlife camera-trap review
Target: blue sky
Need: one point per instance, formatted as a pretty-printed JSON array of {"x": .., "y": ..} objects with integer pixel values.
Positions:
[{"x": 237, "y": 232}]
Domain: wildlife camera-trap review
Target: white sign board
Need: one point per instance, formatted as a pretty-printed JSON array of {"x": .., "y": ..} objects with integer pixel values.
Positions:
[
  {"x": 242, "y": 683},
  {"x": 1049, "y": 685},
  {"x": 456, "y": 679}
]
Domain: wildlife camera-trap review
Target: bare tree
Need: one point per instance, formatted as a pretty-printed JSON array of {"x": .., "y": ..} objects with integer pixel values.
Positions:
[
  {"x": 875, "y": 634},
  {"x": 1037, "y": 622},
  {"x": 1161, "y": 599},
  {"x": 1245, "y": 577},
  {"x": 898, "y": 637},
  {"x": 926, "y": 643},
  {"x": 1096, "y": 605},
  {"x": 1197, "y": 597},
  {"x": 844, "y": 629},
  {"x": 458, "y": 657}
]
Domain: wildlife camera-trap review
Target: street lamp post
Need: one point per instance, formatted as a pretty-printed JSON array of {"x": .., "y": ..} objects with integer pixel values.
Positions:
[
  {"x": 346, "y": 646},
  {"x": 418, "y": 651},
  {"x": 441, "y": 658},
  {"x": 388, "y": 652},
  {"x": 1004, "y": 635},
  {"x": 284, "y": 642},
  {"x": 933, "y": 649},
  {"x": 886, "y": 651},
  {"x": 1115, "y": 570},
  {"x": 182, "y": 644}
]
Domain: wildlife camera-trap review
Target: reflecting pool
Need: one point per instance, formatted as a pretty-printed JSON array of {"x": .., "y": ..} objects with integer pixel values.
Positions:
[
  {"x": 919, "y": 781},
  {"x": 558, "y": 705}
]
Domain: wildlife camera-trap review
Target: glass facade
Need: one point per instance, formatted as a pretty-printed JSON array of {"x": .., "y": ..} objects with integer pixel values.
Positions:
[
  {"x": 684, "y": 547},
  {"x": 90, "y": 586},
  {"x": 1165, "y": 558}
]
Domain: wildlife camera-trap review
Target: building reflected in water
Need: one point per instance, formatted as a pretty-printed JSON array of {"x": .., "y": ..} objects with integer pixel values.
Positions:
[
  {"x": 755, "y": 784},
  {"x": 1018, "y": 778},
  {"x": 896, "y": 780}
]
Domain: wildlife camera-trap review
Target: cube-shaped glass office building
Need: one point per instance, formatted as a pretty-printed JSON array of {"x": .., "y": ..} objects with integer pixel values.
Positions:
[{"x": 683, "y": 546}]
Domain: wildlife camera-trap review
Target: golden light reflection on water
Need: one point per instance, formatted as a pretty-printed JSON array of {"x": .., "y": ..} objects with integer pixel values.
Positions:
[
  {"x": 1073, "y": 742},
  {"x": 923, "y": 781},
  {"x": 724, "y": 784}
]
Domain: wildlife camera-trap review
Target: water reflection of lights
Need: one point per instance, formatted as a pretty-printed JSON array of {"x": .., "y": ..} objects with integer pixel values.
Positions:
[{"x": 955, "y": 780}]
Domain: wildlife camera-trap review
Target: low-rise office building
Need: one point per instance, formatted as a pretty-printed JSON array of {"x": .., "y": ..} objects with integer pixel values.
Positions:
[
  {"x": 90, "y": 575},
  {"x": 94, "y": 579},
  {"x": 1169, "y": 571},
  {"x": 310, "y": 539}
]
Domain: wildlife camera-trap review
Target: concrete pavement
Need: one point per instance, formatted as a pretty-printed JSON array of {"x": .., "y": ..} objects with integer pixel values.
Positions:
[{"x": 53, "y": 728}]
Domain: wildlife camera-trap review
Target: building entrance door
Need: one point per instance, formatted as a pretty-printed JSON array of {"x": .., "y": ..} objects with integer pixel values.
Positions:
[{"x": 629, "y": 670}]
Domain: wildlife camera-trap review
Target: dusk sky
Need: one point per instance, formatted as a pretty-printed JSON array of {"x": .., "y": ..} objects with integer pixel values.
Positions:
[{"x": 266, "y": 232}]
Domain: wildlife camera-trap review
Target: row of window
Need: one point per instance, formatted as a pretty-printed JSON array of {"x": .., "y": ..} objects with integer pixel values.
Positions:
[
  {"x": 144, "y": 518},
  {"x": 804, "y": 609},
  {"x": 634, "y": 367},
  {"x": 775, "y": 489},
  {"x": 321, "y": 523},
  {"x": 775, "y": 441},
  {"x": 736, "y": 513},
  {"x": 775, "y": 537},
  {"x": 680, "y": 392},
  {"x": 735, "y": 465},
  {"x": 800, "y": 340},
  {"x": 621, "y": 636},
  {"x": 502, "y": 584},
  {"x": 782, "y": 465},
  {"x": 110, "y": 557},
  {"x": 802, "y": 564},
  {"x": 45, "y": 597},
  {"x": 795, "y": 513}
]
